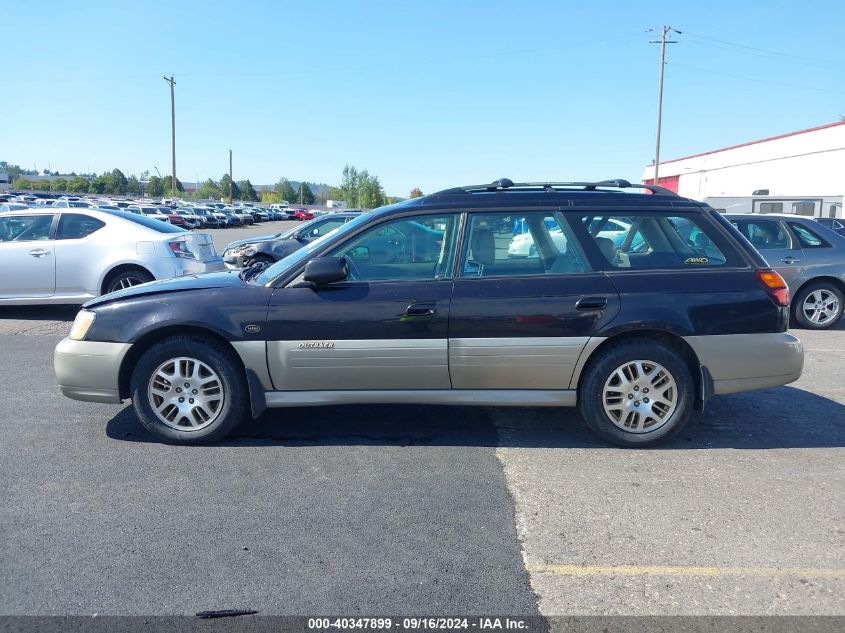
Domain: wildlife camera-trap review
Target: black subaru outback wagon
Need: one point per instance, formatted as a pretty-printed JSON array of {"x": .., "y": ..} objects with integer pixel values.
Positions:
[{"x": 636, "y": 307}]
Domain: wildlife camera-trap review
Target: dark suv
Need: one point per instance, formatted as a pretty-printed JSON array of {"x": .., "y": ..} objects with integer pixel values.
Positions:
[{"x": 635, "y": 307}]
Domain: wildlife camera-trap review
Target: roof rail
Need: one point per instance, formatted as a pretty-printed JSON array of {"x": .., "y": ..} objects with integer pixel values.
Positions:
[{"x": 505, "y": 184}]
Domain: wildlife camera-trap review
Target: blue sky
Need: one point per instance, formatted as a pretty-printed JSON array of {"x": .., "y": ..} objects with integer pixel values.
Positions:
[{"x": 430, "y": 94}]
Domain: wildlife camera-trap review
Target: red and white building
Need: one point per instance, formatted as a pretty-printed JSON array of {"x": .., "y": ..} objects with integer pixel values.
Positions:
[{"x": 807, "y": 164}]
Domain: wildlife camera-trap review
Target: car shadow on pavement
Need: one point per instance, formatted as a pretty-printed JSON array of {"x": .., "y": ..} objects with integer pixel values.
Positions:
[
  {"x": 776, "y": 418},
  {"x": 39, "y": 313}
]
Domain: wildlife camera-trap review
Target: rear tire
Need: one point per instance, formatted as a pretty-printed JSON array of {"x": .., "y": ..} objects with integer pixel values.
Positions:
[
  {"x": 189, "y": 390},
  {"x": 127, "y": 279},
  {"x": 637, "y": 393},
  {"x": 818, "y": 306}
]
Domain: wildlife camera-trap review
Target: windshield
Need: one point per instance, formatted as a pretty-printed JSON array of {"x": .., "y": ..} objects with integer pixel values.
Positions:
[{"x": 304, "y": 253}]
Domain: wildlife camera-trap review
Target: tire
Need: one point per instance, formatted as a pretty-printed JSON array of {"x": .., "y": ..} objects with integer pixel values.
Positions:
[
  {"x": 259, "y": 258},
  {"x": 127, "y": 279},
  {"x": 630, "y": 425},
  {"x": 818, "y": 306},
  {"x": 210, "y": 367}
]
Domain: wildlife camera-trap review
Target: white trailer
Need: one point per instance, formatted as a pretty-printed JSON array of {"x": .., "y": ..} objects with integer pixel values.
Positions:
[{"x": 810, "y": 206}]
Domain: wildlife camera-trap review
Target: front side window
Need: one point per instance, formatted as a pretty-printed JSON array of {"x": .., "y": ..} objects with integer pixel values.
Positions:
[
  {"x": 764, "y": 234},
  {"x": 75, "y": 226},
  {"x": 25, "y": 228},
  {"x": 409, "y": 248},
  {"x": 517, "y": 244},
  {"x": 806, "y": 237},
  {"x": 653, "y": 241}
]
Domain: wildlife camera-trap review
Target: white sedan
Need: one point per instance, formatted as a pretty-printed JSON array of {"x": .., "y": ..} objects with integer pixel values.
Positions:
[
  {"x": 522, "y": 245},
  {"x": 68, "y": 256}
]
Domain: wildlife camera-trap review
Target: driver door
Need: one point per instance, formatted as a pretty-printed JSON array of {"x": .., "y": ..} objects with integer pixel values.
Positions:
[
  {"x": 384, "y": 328},
  {"x": 27, "y": 256}
]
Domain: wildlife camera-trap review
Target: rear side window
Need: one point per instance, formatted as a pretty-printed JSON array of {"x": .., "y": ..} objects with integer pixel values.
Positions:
[
  {"x": 75, "y": 226},
  {"x": 807, "y": 237},
  {"x": 519, "y": 244},
  {"x": 654, "y": 241},
  {"x": 764, "y": 234}
]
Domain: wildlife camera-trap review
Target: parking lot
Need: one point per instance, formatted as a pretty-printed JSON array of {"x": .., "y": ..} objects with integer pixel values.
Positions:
[{"x": 418, "y": 510}]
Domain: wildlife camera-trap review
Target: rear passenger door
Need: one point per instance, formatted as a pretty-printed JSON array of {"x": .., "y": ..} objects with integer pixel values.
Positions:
[
  {"x": 77, "y": 266},
  {"x": 525, "y": 304}
]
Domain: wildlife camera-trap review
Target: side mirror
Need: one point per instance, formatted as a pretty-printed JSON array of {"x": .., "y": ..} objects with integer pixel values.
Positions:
[{"x": 326, "y": 270}]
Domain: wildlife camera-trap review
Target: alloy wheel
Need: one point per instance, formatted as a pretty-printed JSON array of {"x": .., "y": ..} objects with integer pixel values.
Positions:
[
  {"x": 821, "y": 306},
  {"x": 640, "y": 396},
  {"x": 186, "y": 394}
]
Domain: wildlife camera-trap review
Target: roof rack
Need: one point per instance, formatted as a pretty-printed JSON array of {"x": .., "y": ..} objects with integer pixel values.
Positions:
[{"x": 506, "y": 184}]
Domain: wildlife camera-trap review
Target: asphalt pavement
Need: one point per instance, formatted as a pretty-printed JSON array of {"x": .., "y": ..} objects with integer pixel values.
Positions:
[{"x": 418, "y": 510}]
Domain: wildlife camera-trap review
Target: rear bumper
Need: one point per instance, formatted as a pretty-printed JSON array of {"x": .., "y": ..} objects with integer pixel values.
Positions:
[
  {"x": 89, "y": 370},
  {"x": 745, "y": 362}
]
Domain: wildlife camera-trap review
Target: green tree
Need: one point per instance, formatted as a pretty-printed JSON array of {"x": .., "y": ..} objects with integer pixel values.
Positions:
[
  {"x": 154, "y": 187},
  {"x": 167, "y": 187},
  {"x": 133, "y": 186},
  {"x": 60, "y": 184},
  {"x": 285, "y": 190},
  {"x": 78, "y": 184},
  {"x": 19, "y": 182},
  {"x": 98, "y": 185},
  {"x": 115, "y": 182},
  {"x": 41, "y": 185},
  {"x": 370, "y": 191},
  {"x": 416, "y": 192},
  {"x": 12, "y": 170},
  {"x": 304, "y": 195},
  {"x": 349, "y": 185},
  {"x": 208, "y": 191},
  {"x": 247, "y": 191},
  {"x": 224, "y": 188}
]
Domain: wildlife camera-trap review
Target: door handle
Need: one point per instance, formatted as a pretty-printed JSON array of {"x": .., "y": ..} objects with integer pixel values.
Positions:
[
  {"x": 591, "y": 303},
  {"x": 789, "y": 259},
  {"x": 38, "y": 252},
  {"x": 421, "y": 309}
]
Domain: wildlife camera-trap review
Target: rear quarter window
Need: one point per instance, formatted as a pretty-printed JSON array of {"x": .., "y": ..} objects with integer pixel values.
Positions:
[
  {"x": 655, "y": 240},
  {"x": 807, "y": 237}
]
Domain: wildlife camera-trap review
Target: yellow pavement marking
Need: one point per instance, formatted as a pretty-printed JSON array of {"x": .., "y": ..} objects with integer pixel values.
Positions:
[{"x": 682, "y": 570}]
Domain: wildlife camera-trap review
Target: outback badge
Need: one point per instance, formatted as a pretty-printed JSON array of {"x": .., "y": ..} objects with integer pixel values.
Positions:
[{"x": 317, "y": 345}]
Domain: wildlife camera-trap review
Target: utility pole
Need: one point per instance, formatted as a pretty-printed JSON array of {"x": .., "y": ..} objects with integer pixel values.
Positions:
[
  {"x": 172, "y": 133},
  {"x": 663, "y": 42},
  {"x": 230, "y": 176}
]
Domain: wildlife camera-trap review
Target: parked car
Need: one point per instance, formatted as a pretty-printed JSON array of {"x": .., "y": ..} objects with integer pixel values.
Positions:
[
  {"x": 835, "y": 225},
  {"x": 522, "y": 244},
  {"x": 208, "y": 217},
  {"x": 232, "y": 218},
  {"x": 190, "y": 216},
  {"x": 637, "y": 338},
  {"x": 808, "y": 255},
  {"x": 71, "y": 204},
  {"x": 271, "y": 248},
  {"x": 72, "y": 255},
  {"x": 12, "y": 206},
  {"x": 151, "y": 212},
  {"x": 303, "y": 215}
]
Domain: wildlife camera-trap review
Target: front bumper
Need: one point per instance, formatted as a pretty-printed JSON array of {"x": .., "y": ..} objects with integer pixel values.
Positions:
[
  {"x": 89, "y": 370},
  {"x": 745, "y": 362}
]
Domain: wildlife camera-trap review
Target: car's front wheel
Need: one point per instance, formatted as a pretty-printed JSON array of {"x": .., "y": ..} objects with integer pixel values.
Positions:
[
  {"x": 189, "y": 390},
  {"x": 818, "y": 305},
  {"x": 637, "y": 393}
]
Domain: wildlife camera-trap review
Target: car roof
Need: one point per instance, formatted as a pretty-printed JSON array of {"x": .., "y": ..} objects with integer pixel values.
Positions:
[{"x": 787, "y": 216}]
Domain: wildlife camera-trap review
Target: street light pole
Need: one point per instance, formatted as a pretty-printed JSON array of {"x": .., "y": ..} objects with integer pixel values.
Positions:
[
  {"x": 663, "y": 42},
  {"x": 230, "y": 176},
  {"x": 172, "y": 83}
]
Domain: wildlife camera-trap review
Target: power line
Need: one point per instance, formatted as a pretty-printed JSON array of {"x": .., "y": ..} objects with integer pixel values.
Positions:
[
  {"x": 770, "y": 54},
  {"x": 755, "y": 79}
]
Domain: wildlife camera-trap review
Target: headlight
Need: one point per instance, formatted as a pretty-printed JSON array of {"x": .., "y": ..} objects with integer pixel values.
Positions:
[{"x": 81, "y": 324}]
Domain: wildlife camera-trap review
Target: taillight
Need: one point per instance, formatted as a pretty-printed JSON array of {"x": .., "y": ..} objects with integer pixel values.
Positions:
[
  {"x": 775, "y": 286},
  {"x": 180, "y": 249}
]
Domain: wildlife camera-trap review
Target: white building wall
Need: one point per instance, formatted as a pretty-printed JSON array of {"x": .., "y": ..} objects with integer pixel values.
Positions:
[{"x": 809, "y": 163}]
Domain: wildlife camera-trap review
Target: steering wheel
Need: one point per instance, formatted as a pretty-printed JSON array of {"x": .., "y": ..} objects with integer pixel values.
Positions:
[{"x": 353, "y": 274}]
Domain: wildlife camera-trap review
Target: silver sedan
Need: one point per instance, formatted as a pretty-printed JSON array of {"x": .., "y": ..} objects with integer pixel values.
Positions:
[{"x": 68, "y": 256}]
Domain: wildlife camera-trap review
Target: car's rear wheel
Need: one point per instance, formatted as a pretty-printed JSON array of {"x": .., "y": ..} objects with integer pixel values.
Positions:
[
  {"x": 818, "y": 305},
  {"x": 637, "y": 393},
  {"x": 127, "y": 279},
  {"x": 189, "y": 390}
]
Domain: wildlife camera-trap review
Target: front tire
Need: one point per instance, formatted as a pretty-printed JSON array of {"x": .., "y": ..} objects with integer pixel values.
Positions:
[
  {"x": 818, "y": 306},
  {"x": 189, "y": 390},
  {"x": 637, "y": 393}
]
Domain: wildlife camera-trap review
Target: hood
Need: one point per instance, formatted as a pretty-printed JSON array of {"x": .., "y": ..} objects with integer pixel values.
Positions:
[
  {"x": 253, "y": 240},
  {"x": 177, "y": 284}
]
